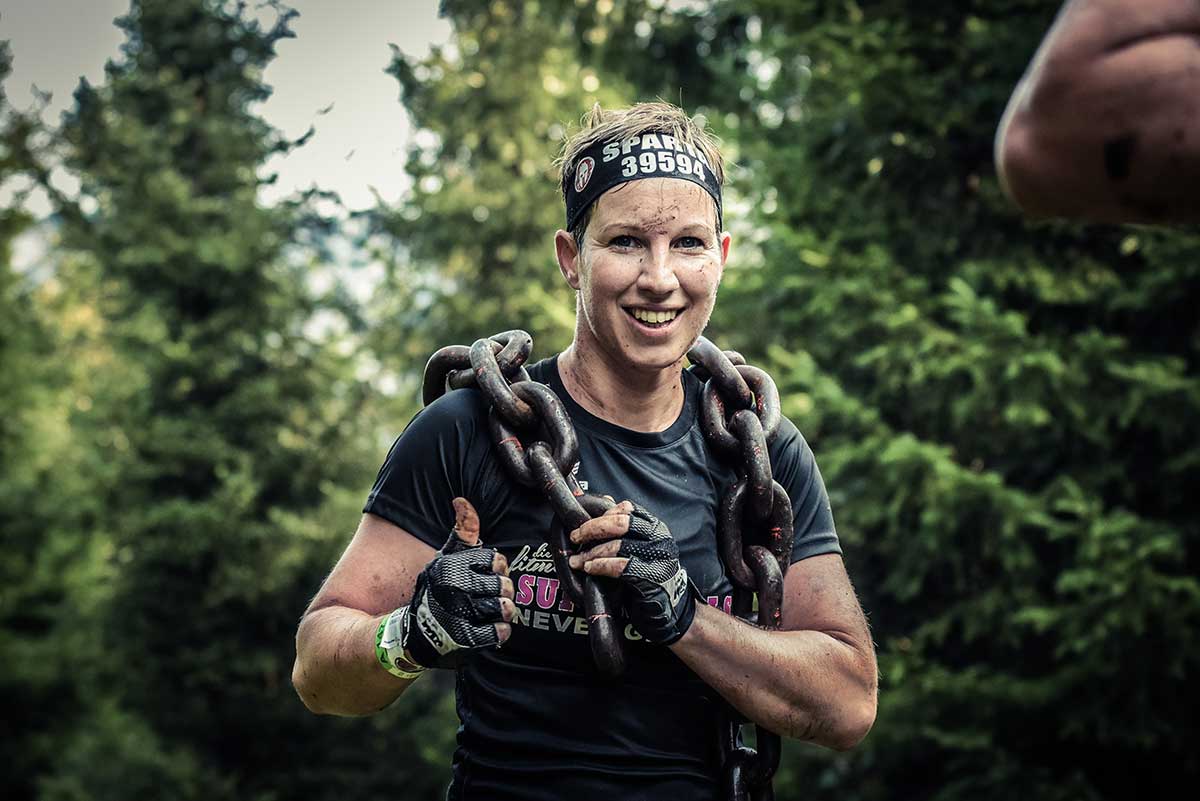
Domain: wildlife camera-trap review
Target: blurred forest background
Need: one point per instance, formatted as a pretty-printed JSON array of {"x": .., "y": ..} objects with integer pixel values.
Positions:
[{"x": 1006, "y": 415}]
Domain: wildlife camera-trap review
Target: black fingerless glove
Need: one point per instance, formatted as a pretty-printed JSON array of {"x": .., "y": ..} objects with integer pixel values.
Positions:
[
  {"x": 454, "y": 606},
  {"x": 658, "y": 597}
]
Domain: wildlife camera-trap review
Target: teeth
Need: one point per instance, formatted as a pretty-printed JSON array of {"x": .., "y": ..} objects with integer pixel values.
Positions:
[{"x": 647, "y": 316}]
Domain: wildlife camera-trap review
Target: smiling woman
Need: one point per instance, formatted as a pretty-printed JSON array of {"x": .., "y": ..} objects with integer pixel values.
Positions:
[
  {"x": 647, "y": 273},
  {"x": 643, "y": 248}
]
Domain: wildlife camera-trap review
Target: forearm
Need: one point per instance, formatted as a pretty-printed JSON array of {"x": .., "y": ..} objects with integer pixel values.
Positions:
[
  {"x": 1090, "y": 28},
  {"x": 1128, "y": 44},
  {"x": 336, "y": 670},
  {"x": 812, "y": 685},
  {"x": 1102, "y": 124}
]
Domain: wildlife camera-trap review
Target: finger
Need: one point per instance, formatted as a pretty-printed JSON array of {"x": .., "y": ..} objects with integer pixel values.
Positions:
[
  {"x": 487, "y": 610},
  {"x": 610, "y": 548},
  {"x": 612, "y": 567},
  {"x": 485, "y": 585},
  {"x": 503, "y": 632},
  {"x": 484, "y": 634},
  {"x": 506, "y": 588},
  {"x": 622, "y": 508},
  {"x": 481, "y": 560},
  {"x": 605, "y": 527},
  {"x": 508, "y": 609},
  {"x": 500, "y": 564},
  {"x": 466, "y": 522},
  {"x": 645, "y": 526}
]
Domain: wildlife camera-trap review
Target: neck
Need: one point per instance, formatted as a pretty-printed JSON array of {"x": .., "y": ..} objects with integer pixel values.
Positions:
[{"x": 646, "y": 401}]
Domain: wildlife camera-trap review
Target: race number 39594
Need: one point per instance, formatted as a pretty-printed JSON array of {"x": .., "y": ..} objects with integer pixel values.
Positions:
[{"x": 651, "y": 161}]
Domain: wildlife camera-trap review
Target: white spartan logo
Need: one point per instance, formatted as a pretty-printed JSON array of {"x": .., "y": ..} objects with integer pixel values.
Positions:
[{"x": 583, "y": 172}]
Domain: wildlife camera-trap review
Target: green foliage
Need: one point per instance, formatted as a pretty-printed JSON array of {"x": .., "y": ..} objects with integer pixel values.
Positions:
[
  {"x": 471, "y": 249},
  {"x": 35, "y": 690},
  {"x": 1004, "y": 413},
  {"x": 1001, "y": 411},
  {"x": 231, "y": 448}
]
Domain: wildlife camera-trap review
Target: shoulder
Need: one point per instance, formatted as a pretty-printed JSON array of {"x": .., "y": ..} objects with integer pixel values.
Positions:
[
  {"x": 456, "y": 405},
  {"x": 792, "y": 458},
  {"x": 458, "y": 415},
  {"x": 542, "y": 370},
  {"x": 462, "y": 414},
  {"x": 789, "y": 443}
]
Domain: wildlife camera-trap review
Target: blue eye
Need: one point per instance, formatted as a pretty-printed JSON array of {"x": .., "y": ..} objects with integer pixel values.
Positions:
[
  {"x": 690, "y": 242},
  {"x": 623, "y": 241}
]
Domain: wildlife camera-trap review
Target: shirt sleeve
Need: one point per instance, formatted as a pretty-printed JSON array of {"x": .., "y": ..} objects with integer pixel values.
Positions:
[
  {"x": 441, "y": 455},
  {"x": 795, "y": 467}
]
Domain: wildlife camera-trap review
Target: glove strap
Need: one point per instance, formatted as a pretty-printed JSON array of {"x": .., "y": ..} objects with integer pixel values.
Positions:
[
  {"x": 688, "y": 613},
  {"x": 389, "y": 647}
]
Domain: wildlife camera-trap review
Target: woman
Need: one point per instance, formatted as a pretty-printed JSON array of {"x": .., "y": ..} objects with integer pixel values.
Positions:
[{"x": 644, "y": 249}]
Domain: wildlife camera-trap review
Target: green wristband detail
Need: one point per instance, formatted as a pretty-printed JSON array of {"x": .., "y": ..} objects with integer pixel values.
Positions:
[{"x": 389, "y": 649}]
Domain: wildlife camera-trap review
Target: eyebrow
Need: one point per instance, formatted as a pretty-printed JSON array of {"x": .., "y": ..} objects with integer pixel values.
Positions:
[{"x": 690, "y": 229}]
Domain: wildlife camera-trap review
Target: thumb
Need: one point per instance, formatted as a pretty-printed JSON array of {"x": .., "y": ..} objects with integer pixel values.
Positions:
[{"x": 466, "y": 527}]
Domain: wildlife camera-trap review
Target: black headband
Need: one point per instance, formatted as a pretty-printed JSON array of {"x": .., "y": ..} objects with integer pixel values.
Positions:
[{"x": 649, "y": 155}]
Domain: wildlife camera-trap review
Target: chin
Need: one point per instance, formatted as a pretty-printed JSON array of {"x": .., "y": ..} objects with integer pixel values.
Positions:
[{"x": 656, "y": 357}]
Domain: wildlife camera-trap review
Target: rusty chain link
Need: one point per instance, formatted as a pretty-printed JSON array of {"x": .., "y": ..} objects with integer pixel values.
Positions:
[
  {"x": 535, "y": 441},
  {"x": 740, "y": 416}
]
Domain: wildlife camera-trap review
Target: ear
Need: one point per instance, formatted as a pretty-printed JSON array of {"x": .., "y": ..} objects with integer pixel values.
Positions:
[
  {"x": 567, "y": 253},
  {"x": 726, "y": 241}
]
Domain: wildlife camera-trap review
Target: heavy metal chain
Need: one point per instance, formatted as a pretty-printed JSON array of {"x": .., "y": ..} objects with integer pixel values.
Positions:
[
  {"x": 536, "y": 442},
  {"x": 740, "y": 416}
]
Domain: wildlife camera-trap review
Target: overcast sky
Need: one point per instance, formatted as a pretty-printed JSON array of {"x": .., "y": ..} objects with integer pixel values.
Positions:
[{"x": 338, "y": 56}]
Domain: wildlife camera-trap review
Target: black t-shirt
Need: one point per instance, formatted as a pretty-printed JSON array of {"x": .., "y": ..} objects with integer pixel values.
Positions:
[{"x": 537, "y": 719}]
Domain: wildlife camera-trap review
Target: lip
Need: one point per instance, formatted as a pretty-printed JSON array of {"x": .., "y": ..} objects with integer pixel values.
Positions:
[{"x": 653, "y": 307}]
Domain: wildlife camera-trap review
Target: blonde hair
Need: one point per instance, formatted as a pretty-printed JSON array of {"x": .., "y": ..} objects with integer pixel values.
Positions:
[{"x": 657, "y": 117}]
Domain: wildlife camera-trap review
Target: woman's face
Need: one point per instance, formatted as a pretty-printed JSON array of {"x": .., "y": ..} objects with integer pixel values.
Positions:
[{"x": 648, "y": 272}]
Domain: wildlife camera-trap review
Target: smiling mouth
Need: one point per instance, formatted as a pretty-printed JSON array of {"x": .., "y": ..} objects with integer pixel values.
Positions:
[{"x": 653, "y": 319}]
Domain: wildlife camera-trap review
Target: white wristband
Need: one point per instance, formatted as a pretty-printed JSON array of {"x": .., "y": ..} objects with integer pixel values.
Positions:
[{"x": 389, "y": 647}]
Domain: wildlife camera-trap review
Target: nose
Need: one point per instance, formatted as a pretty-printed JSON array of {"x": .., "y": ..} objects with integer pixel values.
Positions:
[{"x": 658, "y": 271}]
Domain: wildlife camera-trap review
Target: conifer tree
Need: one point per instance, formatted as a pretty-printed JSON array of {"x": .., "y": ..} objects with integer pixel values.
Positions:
[
  {"x": 237, "y": 451},
  {"x": 32, "y": 691},
  {"x": 1003, "y": 412},
  {"x": 470, "y": 249}
]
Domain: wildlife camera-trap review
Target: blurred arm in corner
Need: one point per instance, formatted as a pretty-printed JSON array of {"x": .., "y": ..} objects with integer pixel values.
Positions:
[{"x": 1105, "y": 124}]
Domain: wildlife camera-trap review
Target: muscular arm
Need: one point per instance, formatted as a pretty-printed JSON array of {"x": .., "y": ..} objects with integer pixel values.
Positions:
[
  {"x": 336, "y": 671},
  {"x": 815, "y": 680},
  {"x": 1103, "y": 126}
]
